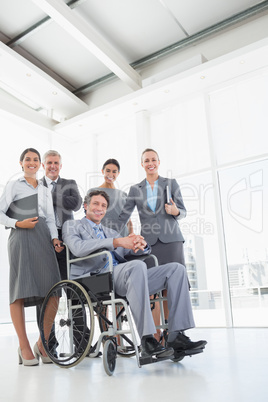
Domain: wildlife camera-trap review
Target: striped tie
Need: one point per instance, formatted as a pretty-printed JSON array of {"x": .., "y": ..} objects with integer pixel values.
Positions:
[{"x": 98, "y": 232}]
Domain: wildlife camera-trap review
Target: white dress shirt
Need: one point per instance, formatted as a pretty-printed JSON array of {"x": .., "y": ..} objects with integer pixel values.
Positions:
[{"x": 17, "y": 189}]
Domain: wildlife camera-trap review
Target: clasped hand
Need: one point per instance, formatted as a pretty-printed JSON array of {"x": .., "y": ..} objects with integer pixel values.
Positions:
[{"x": 136, "y": 242}]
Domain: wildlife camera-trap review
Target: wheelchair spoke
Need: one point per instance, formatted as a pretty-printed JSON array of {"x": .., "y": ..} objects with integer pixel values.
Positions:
[{"x": 73, "y": 325}]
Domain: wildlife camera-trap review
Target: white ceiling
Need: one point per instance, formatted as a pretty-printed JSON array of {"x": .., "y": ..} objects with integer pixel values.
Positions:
[{"x": 50, "y": 51}]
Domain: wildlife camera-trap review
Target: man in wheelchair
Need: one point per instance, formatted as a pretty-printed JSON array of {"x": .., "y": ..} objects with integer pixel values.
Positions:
[{"x": 132, "y": 279}]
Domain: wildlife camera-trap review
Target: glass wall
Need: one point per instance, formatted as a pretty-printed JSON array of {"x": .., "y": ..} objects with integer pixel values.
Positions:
[
  {"x": 225, "y": 139},
  {"x": 239, "y": 126},
  {"x": 244, "y": 195},
  {"x": 201, "y": 249}
]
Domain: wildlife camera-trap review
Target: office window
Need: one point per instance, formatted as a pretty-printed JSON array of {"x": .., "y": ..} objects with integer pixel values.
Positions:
[
  {"x": 244, "y": 197},
  {"x": 202, "y": 250}
]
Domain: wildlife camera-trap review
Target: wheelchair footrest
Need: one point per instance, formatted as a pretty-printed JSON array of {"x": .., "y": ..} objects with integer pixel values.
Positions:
[
  {"x": 179, "y": 355},
  {"x": 153, "y": 359}
]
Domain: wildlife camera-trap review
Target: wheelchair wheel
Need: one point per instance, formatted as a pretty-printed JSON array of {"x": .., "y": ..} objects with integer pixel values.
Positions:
[
  {"x": 109, "y": 356},
  {"x": 125, "y": 346},
  {"x": 68, "y": 311}
]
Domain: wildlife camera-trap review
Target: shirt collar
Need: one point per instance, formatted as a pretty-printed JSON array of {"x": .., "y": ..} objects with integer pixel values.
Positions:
[
  {"x": 23, "y": 179},
  {"x": 49, "y": 181},
  {"x": 148, "y": 185},
  {"x": 93, "y": 225}
]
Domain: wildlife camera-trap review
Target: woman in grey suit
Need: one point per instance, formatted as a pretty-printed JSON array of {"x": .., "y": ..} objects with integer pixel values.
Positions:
[
  {"x": 160, "y": 206},
  {"x": 26, "y": 207}
]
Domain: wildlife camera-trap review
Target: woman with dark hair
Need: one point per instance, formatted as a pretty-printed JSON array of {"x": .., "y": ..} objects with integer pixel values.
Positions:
[
  {"x": 26, "y": 207},
  {"x": 110, "y": 171}
]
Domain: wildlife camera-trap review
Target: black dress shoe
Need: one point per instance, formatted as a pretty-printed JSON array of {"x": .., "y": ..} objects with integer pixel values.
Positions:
[
  {"x": 150, "y": 347},
  {"x": 182, "y": 342}
]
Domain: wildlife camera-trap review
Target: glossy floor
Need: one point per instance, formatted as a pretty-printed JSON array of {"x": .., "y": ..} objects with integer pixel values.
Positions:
[{"x": 233, "y": 368}]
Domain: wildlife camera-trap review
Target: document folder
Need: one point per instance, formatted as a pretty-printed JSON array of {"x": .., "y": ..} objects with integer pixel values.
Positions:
[
  {"x": 168, "y": 195},
  {"x": 23, "y": 208}
]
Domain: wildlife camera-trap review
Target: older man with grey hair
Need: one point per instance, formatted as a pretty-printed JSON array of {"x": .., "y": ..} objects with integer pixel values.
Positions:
[{"x": 65, "y": 195}]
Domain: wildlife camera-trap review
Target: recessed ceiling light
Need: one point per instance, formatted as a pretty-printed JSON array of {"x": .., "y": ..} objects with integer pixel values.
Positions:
[
  {"x": 166, "y": 91},
  {"x": 135, "y": 103},
  {"x": 242, "y": 61},
  {"x": 54, "y": 93},
  {"x": 202, "y": 77},
  {"x": 28, "y": 75}
]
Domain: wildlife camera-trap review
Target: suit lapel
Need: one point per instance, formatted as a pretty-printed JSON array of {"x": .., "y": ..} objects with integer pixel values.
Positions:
[
  {"x": 44, "y": 181},
  {"x": 143, "y": 187},
  {"x": 86, "y": 225},
  {"x": 59, "y": 181}
]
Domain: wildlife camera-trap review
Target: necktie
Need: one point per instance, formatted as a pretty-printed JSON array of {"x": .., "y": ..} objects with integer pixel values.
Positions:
[
  {"x": 100, "y": 235},
  {"x": 57, "y": 219},
  {"x": 98, "y": 232}
]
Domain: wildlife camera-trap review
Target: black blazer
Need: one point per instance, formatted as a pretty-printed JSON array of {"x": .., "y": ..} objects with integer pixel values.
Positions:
[{"x": 66, "y": 198}]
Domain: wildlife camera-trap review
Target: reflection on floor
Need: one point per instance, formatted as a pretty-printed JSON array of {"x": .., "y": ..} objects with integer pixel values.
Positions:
[{"x": 233, "y": 368}]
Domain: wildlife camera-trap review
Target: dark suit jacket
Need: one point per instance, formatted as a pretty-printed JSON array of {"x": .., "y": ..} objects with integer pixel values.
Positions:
[
  {"x": 66, "y": 198},
  {"x": 156, "y": 225}
]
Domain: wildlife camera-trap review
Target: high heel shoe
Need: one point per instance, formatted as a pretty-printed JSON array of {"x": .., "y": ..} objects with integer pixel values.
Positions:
[
  {"x": 38, "y": 354},
  {"x": 32, "y": 362}
]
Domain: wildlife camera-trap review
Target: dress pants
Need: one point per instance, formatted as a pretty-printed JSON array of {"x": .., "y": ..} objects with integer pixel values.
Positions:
[{"x": 134, "y": 281}]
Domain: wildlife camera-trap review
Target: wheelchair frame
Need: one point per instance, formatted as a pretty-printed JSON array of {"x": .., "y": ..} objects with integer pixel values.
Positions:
[{"x": 76, "y": 302}]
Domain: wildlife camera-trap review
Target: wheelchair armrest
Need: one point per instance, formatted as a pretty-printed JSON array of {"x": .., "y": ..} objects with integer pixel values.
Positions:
[
  {"x": 143, "y": 257},
  {"x": 96, "y": 253}
]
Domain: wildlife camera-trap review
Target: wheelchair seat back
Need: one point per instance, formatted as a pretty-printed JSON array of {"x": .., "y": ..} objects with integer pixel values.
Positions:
[{"x": 100, "y": 285}]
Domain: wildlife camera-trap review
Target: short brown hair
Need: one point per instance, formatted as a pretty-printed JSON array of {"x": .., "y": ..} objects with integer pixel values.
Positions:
[{"x": 91, "y": 194}]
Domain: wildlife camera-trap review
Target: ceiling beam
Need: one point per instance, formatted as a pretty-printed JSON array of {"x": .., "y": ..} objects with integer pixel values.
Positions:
[
  {"x": 18, "y": 39},
  {"x": 10, "y": 106},
  {"x": 88, "y": 37},
  {"x": 191, "y": 40},
  {"x": 20, "y": 76}
]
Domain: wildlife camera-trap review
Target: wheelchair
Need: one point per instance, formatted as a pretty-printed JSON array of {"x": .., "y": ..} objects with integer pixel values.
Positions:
[{"x": 76, "y": 303}]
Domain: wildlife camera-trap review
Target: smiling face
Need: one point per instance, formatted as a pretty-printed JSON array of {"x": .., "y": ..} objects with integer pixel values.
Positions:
[
  {"x": 96, "y": 209},
  {"x": 52, "y": 166},
  {"x": 110, "y": 173},
  {"x": 30, "y": 163},
  {"x": 150, "y": 163}
]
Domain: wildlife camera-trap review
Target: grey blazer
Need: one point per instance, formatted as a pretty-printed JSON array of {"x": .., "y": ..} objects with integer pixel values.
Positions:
[
  {"x": 66, "y": 198},
  {"x": 156, "y": 225},
  {"x": 82, "y": 241}
]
